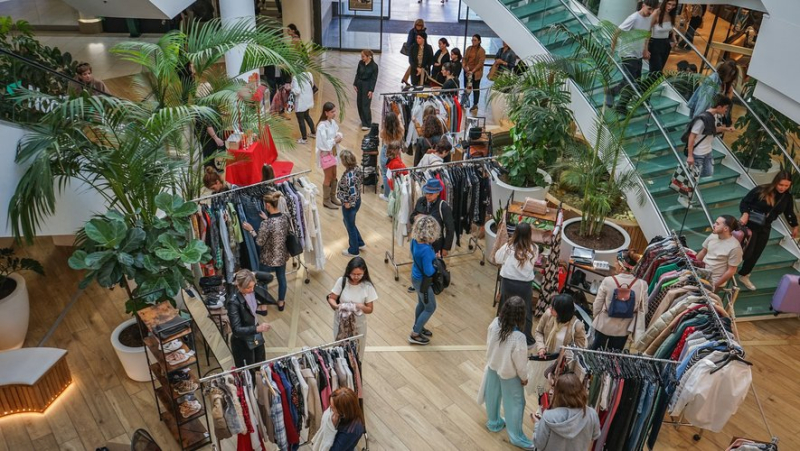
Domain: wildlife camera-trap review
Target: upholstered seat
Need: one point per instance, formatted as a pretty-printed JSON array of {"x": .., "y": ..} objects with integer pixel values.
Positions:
[{"x": 31, "y": 379}]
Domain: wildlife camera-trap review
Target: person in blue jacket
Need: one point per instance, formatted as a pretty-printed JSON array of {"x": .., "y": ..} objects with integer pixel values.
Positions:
[{"x": 425, "y": 231}]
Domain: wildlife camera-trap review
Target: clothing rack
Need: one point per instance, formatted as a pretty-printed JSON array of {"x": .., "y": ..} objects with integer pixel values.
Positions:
[
  {"x": 245, "y": 188},
  {"x": 472, "y": 244},
  {"x": 619, "y": 354},
  {"x": 433, "y": 91},
  {"x": 285, "y": 356}
]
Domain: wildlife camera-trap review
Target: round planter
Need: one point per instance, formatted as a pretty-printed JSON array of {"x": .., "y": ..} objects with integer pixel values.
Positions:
[
  {"x": 609, "y": 256},
  {"x": 134, "y": 360},
  {"x": 14, "y": 314},
  {"x": 765, "y": 177},
  {"x": 490, "y": 238},
  {"x": 502, "y": 191},
  {"x": 499, "y": 107}
]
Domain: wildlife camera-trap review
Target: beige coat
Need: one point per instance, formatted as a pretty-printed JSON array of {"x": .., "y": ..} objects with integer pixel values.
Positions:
[
  {"x": 576, "y": 333},
  {"x": 617, "y": 327}
]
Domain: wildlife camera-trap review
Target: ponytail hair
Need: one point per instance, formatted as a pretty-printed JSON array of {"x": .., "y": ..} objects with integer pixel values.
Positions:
[{"x": 730, "y": 222}]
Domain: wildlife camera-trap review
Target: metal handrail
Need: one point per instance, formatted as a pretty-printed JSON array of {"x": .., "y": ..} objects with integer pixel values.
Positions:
[
  {"x": 630, "y": 82},
  {"x": 51, "y": 71},
  {"x": 746, "y": 105}
]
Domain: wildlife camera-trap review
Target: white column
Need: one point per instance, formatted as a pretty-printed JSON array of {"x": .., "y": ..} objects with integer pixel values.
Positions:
[
  {"x": 230, "y": 11},
  {"x": 614, "y": 11}
]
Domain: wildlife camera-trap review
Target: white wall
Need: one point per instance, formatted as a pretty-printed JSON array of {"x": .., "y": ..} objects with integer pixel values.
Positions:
[
  {"x": 757, "y": 5},
  {"x": 300, "y": 13},
  {"x": 73, "y": 208}
]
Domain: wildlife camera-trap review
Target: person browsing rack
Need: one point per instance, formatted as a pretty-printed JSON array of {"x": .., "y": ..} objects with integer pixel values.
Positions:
[
  {"x": 431, "y": 205},
  {"x": 353, "y": 293},
  {"x": 611, "y": 332},
  {"x": 271, "y": 239},
  {"x": 518, "y": 259},
  {"x": 721, "y": 251},
  {"x": 245, "y": 330}
]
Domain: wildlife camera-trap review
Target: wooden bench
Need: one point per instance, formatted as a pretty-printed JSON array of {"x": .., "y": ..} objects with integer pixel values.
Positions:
[{"x": 31, "y": 379}]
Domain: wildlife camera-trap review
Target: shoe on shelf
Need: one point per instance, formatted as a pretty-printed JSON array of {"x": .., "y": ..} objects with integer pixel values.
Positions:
[
  {"x": 418, "y": 339},
  {"x": 426, "y": 332},
  {"x": 301, "y": 141},
  {"x": 745, "y": 280},
  {"x": 346, "y": 253}
]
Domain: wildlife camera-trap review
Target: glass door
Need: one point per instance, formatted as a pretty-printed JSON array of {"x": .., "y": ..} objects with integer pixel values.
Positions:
[{"x": 352, "y": 24}]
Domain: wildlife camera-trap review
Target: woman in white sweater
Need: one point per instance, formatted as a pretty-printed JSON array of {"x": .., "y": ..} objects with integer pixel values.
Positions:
[
  {"x": 518, "y": 258},
  {"x": 303, "y": 90},
  {"x": 328, "y": 139},
  {"x": 506, "y": 373},
  {"x": 613, "y": 323}
]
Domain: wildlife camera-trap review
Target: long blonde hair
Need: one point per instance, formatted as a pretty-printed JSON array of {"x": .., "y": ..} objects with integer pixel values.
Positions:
[{"x": 767, "y": 192}]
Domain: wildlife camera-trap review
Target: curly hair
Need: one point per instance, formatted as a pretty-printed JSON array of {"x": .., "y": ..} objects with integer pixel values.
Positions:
[
  {"x": 392, "y": 129},
  {"x": 432, "y": 126},
  {"x": 426, "y": 229},
  {"x": 348, "y": 159},
  {"x": 512, "y": 316}
]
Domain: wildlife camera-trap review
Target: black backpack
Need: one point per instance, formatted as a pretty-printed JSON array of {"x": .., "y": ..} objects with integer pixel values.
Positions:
[
  {"x": 623, "y": 301},
  {"x": 441, "y": 278},
  {"x": 709, "y": 123}
]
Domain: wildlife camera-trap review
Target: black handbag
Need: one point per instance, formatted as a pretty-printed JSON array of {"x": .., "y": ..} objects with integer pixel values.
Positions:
[
  {"x": 254, "y": 341},
  {"x": 293, "y": 245},
  {"x": 757, "y": 218},
  {"x": 404, "y": 49}
]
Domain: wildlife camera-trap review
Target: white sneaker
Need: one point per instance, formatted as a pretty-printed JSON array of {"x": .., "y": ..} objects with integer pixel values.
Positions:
[
  {"x": 312, "y": 136},
  {"x": 745, "y": 280},
  {"x": 348, "y": 254},
  {"x": 382, "y": 197},
  {"x": 301, "y": 141},
  {"x": 364, "y": 128}
]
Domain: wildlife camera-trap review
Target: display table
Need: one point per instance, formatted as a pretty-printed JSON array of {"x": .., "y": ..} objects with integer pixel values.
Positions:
[{"x": 245, "y": 167}]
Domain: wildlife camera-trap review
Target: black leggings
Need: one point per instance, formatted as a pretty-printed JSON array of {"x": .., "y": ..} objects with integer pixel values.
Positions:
[
  {"x": 242, "y": 355},
  {"x": 302, "y": 119},
  {"x": 659, "y": 53},
  {"x": 603, "y": 341},
  {"x": 753, "y": 252}
]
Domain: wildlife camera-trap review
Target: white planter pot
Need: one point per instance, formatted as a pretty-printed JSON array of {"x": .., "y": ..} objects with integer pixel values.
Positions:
[
  {"x": 134, "y": 360},
  {"x": 609, "y": 256},
  {"x": 14, "y": 314},
  {"x": 490, "y": 238},
  {"x": 765, "y": 177},
  {"x": 499, "y": 107},
  {"x": 502, "y": 191}
]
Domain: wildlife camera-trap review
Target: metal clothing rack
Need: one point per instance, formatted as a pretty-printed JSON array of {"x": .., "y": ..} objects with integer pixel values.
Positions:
[
  {"x": 620, "y": 354},
  {"x": 433, "y": 91},
  {"x": 472, "y": 244}
]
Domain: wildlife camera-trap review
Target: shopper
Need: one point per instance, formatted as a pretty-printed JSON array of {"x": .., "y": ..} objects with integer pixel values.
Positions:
[
  {"x": 662, "y": 36},
  {"x": 612, "y": 332},
  {"x": 450, "y": 84},
  {"x": 568, "y": 424},
  {"x": 723, "y": 81},
  {"x": 85, "y": 75},
  {"x": 303, "y": 90},
  {"x": 506, "y": 372},
  {"x": 632, "y": 53},
  {"x": 440, "y": 154},
  {"x": 391, "y": 131},
  {"x": 701, "y": 139},
  {"x": 474, "y": 59},
  {"x": 432, "y": 131},
  {"x": 213, "y": 183},
  {"x": 456, "y": 61},
  {"x": 328, "y": 139},
  {"x": 271, "y": 240},
  {"x": 348, "y": 191},
  {"x": 722, "y": 252},
  {"x": 424, "y": 233},
  {"x": 695, "y": 19},
  {"x": 431, "y": 205},
  {"x": 364, "y": 84},
  {"x": 420, "y": 60},
  {"x": 559, "y": 327},
  {"x": 342, "y": 424},
  {"x": 247, "y": 343},
  {"x": 505, "y": 58},
  {"x": 419, "y": 27},
  {"x": 395, "y": 164},
  {"x": 353, "y": 293},
  {"x": 517, "y": 271},
  {"x": 440, "y": 58},
  {"x": 770, "y": 201}
]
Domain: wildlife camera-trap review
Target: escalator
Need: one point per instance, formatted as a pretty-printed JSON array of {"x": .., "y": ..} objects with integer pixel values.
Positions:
[{"x": 652, "y": 141}]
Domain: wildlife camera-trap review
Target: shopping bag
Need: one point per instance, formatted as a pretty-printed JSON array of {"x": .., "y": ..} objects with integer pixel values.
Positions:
[{"x": 682, "y": 182}]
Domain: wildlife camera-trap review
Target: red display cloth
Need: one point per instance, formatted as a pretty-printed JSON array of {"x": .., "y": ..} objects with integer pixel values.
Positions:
[{"x": 245, "y": 168}]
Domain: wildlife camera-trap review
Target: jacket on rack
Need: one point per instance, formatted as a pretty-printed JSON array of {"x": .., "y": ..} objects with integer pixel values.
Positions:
[{"x": 445, "y": 220}]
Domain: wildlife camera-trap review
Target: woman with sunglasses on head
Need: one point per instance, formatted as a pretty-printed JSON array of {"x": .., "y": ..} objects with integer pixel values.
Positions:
[
  {"x": 242, "y": 310},
  {"x": 353, "y": 293}
]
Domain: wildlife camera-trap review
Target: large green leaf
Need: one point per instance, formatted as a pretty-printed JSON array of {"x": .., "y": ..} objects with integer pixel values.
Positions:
[
  {"x": 134, "y": 240},
  {"x": 107, "y": 234},
  {"x": 171, "y": 248},
  {"x": 97, "y": 259},
  {"x": 174, "y": 206},
  {"x": 193, "y": 253},
  {"x": 77, "y": 260}
]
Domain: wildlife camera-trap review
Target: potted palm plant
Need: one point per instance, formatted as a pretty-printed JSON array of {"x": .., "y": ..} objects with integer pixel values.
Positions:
[
  {"x": 14, "y": 306},
  {"x": 538, "y": 105},
  {"x": 115, "y": 250},
  {"x": 754, "y": 147}
]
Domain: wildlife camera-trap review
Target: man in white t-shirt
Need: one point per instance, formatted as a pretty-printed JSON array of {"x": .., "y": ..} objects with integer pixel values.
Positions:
[
  {"x": 722, "y": 252},
  {"x": 632, "y": 52},
  {"x": 700, "y": 142}
]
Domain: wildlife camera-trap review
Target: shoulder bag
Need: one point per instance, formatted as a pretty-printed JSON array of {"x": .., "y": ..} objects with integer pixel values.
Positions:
[
  {"x": 293, "y": 244},
  {"x": 760, "y": 219},
  {"x": 254, "y": 341}
]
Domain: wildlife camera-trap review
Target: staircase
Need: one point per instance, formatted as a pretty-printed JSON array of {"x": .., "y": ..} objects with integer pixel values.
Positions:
[{"x": 652, "y": 144}]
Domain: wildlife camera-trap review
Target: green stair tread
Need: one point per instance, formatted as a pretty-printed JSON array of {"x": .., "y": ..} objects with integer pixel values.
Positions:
[
  {"x": 753, "y": 306},
  {"x": 669, "y": 121},
  {"x": 525, "y": 11},
  {"x": 552, "y": 39},
  {"x": 766, "y": 281},
  {"x": 540, "y": 23},
  {"x": 658, "y": 186},
  {"x": 657, "y": 103},
  {"x": 653, "y": 144},
  {"x": 667, "y": 163}
]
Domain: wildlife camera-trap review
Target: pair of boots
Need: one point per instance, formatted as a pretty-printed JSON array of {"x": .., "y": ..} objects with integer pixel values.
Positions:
[{"x": 329, "y": 199}]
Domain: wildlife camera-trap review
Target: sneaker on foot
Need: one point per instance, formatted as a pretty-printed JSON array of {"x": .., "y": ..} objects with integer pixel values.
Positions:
[
  {"x": 745, "y": 280},
  {"x": 301, "y": 141},
  {"x": 312, "y": 135},
  {"x": 418, "y": 340},
  {"x": 361, "y": 248},
  {"x": 346, "y": 253},
  {"x": 426, "y": 332},
  {"x": 382, "y": 197},
  {"x": 411, "y": 289}
]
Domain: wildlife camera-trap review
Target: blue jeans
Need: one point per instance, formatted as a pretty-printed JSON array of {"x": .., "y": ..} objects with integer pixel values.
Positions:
[
  {"x": 280, "y": 274},
  {"x": 705, "y": 164},
  {"x": 382, "y": 160},
  {"x": 424, "y": 310},
  {"x": 353, "y": 235},
  {"x": 512, "y": 394}
]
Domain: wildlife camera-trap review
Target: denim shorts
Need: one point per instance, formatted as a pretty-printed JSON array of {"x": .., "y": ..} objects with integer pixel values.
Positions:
[{"x": 705, "y": 164}]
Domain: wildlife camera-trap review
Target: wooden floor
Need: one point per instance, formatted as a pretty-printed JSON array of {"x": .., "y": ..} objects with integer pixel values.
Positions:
[{"x": 416, "y": 398}]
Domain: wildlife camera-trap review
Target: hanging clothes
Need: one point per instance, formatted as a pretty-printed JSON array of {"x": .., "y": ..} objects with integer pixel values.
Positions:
[{"x": 551, "y": 269}]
